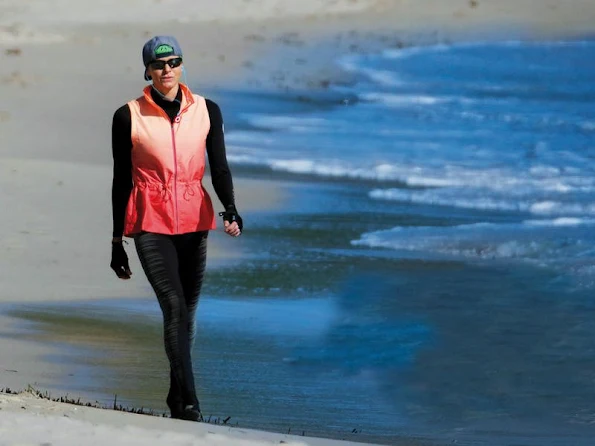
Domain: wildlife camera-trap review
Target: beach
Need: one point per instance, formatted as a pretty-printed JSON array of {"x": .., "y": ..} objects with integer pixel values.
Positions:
[{"x": 69, "y": 65}]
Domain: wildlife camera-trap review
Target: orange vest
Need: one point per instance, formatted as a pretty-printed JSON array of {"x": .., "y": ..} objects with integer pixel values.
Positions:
[{"x": 168, "y": 164}]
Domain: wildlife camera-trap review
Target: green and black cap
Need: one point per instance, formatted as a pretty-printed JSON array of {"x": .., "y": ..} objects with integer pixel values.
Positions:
[{"x": 160, "y": 46}]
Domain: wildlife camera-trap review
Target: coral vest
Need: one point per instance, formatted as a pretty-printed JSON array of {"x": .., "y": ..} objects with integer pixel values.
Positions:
[{"x": 168, "y": 164}]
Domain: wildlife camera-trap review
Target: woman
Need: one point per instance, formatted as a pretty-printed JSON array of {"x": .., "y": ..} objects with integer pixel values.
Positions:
[{"x": 159, "y": 142}]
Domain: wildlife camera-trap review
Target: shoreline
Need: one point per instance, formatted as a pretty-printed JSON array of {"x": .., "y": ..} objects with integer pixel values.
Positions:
[
  {"x": 119, "y": 360},
  {"x": 29, "y": 417}
]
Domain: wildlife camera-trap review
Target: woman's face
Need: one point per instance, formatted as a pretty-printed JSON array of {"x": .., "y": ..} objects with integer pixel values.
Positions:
[{"x": 163, "y": 75}]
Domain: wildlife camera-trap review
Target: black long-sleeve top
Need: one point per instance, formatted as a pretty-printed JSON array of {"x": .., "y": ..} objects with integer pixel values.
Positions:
[{"x": 122, "y": 154}]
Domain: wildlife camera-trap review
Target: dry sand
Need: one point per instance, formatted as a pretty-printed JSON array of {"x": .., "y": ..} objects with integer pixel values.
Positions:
[{"x": 67, "y": 65}]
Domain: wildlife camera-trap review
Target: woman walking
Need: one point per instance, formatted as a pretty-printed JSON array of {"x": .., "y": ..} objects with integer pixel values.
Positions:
[{"x": 159, "y": 144}]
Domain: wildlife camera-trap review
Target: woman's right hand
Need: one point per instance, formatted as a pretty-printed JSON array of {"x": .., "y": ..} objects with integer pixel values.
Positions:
[
  {"x": 232, "y": 222},
  {"x": 119, "y": 261}
]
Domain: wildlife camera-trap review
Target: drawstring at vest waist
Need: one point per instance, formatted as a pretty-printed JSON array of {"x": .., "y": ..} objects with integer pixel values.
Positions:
[{"x": 165, "y": 189}]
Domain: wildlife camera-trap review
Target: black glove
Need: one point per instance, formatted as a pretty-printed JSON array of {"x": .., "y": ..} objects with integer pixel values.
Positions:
[
  {"x": 119, "y": 261},
  {"x": 231, "y": 215}
]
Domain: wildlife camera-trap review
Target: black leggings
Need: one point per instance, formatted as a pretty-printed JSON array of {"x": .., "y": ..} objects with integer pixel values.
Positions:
[{"x": 175, "y": 265}]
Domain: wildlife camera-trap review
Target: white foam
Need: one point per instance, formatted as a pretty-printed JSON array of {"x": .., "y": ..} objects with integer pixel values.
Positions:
[
  {"x": 481, "y": 240},
  {"x": 562, "y": 221},
  {"x": 529, "y": 240},
  {"x": 544, "y": 207},
  {"x": 403, "y": 53},
  {"x": 349, "y": 63},
  {"x": 428, "y": 181},
  {"x": 441, "y": 48},
  {"x": 323, "y": 168},
  {"x": 287, "y": 123},
  {"x": 334, "y": 169},
  {"x": 542, "y": 170},
  {"x": 244, "y": 159},
  {"x": 382, "y": 77},
  {"x": 555, "y": 207},
  {"x": 402, "y": 100},
  {"x": 431, "y": 198},
  {"x": 241, "y": 137},
  {"x": 456, "y": 186},
  {"x": 484, "y": 198}
]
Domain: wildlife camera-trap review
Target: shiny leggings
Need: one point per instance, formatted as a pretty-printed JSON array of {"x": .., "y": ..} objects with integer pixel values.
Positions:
[{"x": 175, "y": 266}]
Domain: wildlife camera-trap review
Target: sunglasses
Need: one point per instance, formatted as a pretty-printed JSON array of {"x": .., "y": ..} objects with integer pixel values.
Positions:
[{"x": 160, "y": 64}]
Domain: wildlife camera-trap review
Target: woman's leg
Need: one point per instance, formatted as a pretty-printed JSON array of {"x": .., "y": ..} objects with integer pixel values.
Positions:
[
  {"x": 160, "y": 260},
  {"x": 192, "y": 257}
]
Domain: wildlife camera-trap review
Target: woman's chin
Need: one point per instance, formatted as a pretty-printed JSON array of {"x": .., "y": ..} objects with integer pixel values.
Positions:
[{"x": 168, "y": 83}]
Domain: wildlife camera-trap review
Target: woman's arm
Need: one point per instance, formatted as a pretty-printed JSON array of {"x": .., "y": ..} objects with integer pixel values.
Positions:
[
  {"x": 122, "y": 181},
  {"x": 220, "y": 173}
]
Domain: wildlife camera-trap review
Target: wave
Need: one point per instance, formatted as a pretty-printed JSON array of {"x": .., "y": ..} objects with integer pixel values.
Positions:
[
  {"x": 382, "y": 77},
  {"x": 562, "y": 221},
  {"x": 411, "y": 176},
  {"x": 287, "y": 123},
  {"x": 353, "y": 64},
  {"x": 402, "y": 100},
  {"x": 403, "y": 53},
  {"x": 502, "y": 181},
  {"x": 243, "y": 137},
  {"x": 447, "y": 185},
  {"x": 334, "y": 169},
  {"x": 553, "y": 207},
  {"x": 429, "y": 198},
  {"x": 441, "y": 48},
  {"x": 530, "y": 240},
  {"x": 320, "y": 168},
  {"x": 480, "y": 200}
]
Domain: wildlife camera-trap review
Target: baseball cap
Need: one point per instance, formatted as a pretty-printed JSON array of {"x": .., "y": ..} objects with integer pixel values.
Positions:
[{"x": 160, "y": 46}]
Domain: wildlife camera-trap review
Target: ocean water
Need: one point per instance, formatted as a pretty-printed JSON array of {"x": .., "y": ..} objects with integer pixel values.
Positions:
[
  {"x": 446, "y": 205},
  {"x": 431, "y": 274},
  {"x": 494, "y": 140}
]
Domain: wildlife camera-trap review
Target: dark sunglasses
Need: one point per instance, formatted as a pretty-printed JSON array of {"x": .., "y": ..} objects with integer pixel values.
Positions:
[{"x": 160, "y": 64}]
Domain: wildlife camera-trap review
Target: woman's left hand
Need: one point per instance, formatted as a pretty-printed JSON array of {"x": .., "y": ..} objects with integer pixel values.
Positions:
[
  {"x": 232, "y": 229},
  {"x": 232, "y": 222}
]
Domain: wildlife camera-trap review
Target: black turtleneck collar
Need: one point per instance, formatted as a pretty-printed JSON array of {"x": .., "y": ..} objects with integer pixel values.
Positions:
[{"x": 172, "y": 108}]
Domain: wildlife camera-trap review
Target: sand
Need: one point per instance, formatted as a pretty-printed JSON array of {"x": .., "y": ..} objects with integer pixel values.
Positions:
[
  {"x": 68, "y": 65},
  {"x": 26, "y": 419}
]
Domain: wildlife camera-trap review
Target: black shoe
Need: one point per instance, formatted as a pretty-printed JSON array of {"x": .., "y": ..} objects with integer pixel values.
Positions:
[
  {"x": 191, "y": 413},
  {"x": 174, "y": 399},
  {"x": 176, "y": 408},
  {"x": 176, "y": 412}
]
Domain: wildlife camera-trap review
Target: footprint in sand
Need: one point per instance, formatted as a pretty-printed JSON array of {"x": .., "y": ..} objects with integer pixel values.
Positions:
[{"x": 13, "y": 52}]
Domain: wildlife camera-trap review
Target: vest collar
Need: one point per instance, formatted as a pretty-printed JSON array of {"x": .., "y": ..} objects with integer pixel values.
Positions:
[{"x": 187, "y": 97}]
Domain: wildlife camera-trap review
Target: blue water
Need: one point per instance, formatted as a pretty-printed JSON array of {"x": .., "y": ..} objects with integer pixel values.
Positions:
[
  {"x": 431, "y": 272},
  {"x": 499, "y": 132},
  {"x": 447, "y": 199}
]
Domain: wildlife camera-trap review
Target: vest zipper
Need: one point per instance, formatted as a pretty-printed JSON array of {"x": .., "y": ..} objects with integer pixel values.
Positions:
[{"x": 173, "y": 139}]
